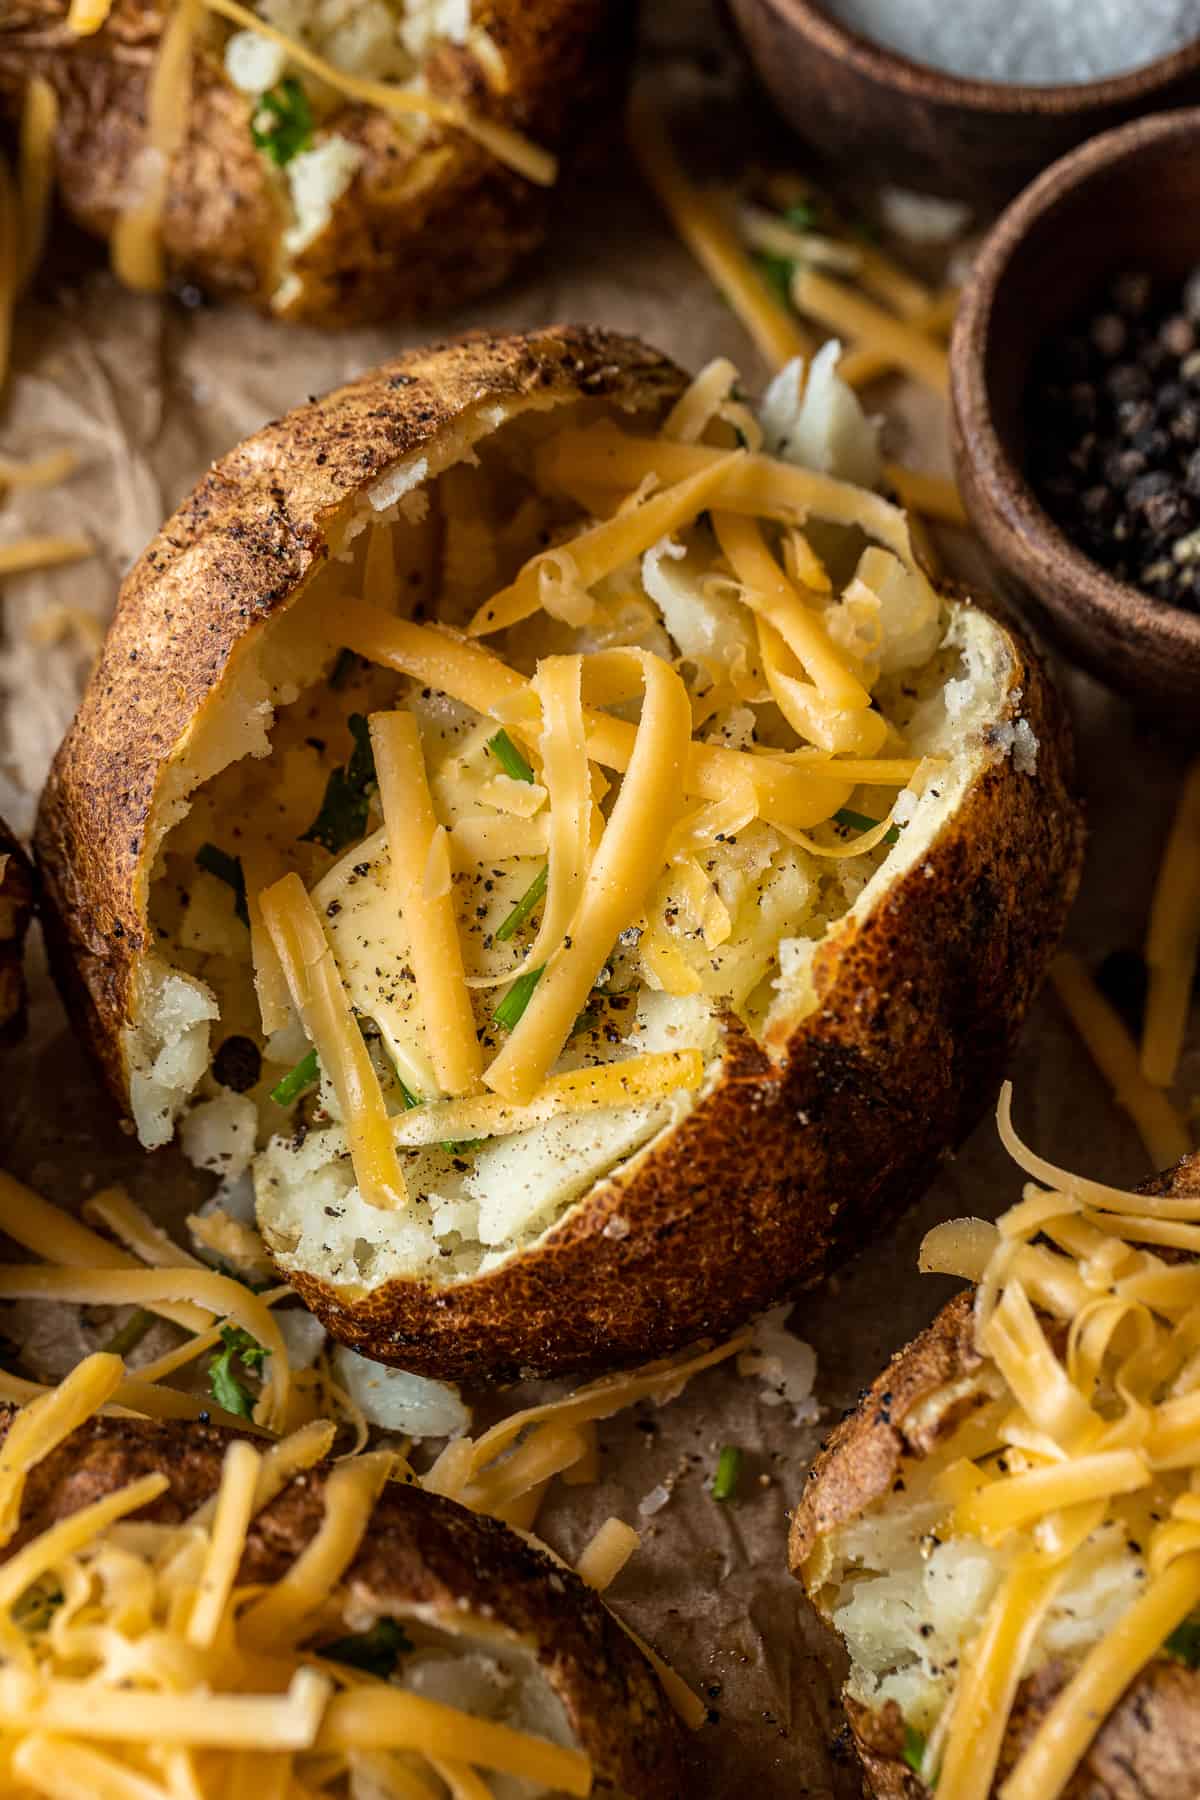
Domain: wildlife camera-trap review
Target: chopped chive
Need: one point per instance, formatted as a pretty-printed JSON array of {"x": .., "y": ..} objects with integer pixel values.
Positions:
[
  {"x": 347, "y": 801},
  {"x": 376, "y": 1651},
  {"x": 448, "y": 1144},
  {"x": 517, "y": 999},
  {"x": 509, "y": 757},
  {"x": 1184, "y": 1643},
  {"x": 305, "y": 1074},
  {"x": 914, "y": 1748},
  {"x": 131, "y": 1333},
  {"x": 729, "y": 1468},
  {"x": 343, "y": 668},
  {"x": 776, "y": 271},
  {"x": 525, "y": 905},
  {"x": 857, "y": 821},
  {"x": 228, "y": 869},
  {"x": 802, "y": 217}
]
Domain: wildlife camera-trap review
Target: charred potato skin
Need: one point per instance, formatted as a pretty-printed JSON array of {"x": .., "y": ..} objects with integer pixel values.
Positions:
[
  {"x": 423, "y": 226},
  {"x": 1147, "y": 1748},
  {"x": 16, "y": 911},
  {"x": 420, "y": 1552},
  {"x": 804, "y": 1146}
]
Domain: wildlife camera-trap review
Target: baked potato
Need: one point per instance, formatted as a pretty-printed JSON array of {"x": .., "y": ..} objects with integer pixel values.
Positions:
[
  {"x": 16, "y": 910},
  {"x": 304, "y": 200},
  {"x": 900, "y": 1537},
  {"x": 782, "y": 979},
  {"x": 442, "y": 1603}
]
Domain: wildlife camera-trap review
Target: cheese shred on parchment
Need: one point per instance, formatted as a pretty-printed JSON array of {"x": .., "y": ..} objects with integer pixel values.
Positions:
[
  {"x": 1091, "y": 1449},
  {"x": 200, "y": 1627}
]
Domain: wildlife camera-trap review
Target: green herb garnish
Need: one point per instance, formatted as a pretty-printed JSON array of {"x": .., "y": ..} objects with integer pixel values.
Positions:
[
  {"x": 343, "y": 668},
  {"x": 802, "y": 216},
  {"x": 509, "y": 757},
  {"x": 228, "y": 869},
  {"x": 131, "y": 1333},
  {"x": 777, "y": 272},
  {"x": 914, "y": 1748},
  {"x": 305, "y": 1074},
  {"x": 227, "y": 1390},
  {"x": 36, "y": 1607},
  {"x": 729, "y": 1469},
  {"x": 525, "y": 905},
  {"x": 509, "y": 1011},
  {"x": 857, "y": 821},
  {"x": 1184, "y": 1643},
  {"x": 343, "y": 814},
  {"x": 376, "y": 1652},
  {"x": 283, "y": 122}
]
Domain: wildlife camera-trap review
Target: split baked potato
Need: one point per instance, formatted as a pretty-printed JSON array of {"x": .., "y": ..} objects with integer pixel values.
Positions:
[
  {"x": 311, "y": 203},
  {"x": 781, "y": 979},
  {"x": 16, "y": 910},
  {"x": 981, "y": 1662},
  {"x": 441, "y": 1604}
]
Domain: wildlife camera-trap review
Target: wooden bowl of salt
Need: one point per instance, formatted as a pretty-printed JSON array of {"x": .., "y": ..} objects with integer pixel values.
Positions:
[{"x": 968, "y": 99}]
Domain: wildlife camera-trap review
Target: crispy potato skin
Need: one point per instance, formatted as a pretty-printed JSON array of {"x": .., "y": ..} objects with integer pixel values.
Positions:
[
  {"x": 420, "y": 1551},
  {"x": 16, "y": 911},
  {"x": 802, "y": 1148},
  {"x": 1148, "y": 1747},
  {"x": 423, "y": 226}
]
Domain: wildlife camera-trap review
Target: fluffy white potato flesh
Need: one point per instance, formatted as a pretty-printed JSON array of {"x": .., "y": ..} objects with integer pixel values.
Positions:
[
  {"x": 735, "y": 938},
  {"x": 907, "y": 1596}
]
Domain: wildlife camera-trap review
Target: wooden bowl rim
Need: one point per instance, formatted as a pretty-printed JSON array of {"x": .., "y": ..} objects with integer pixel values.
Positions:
[
  {"x": 1034, "y": 546},
  {"x": 892, "y": 68}
]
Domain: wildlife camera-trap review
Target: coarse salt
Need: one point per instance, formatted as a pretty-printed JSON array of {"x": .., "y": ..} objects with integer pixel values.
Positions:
[{"x": 1038, "y": 42}]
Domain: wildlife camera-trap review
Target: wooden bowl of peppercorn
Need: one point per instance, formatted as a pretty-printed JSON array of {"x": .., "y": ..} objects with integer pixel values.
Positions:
[
  {"x": 882, "y": 114},
  {"x": 1075, "y": 406}
]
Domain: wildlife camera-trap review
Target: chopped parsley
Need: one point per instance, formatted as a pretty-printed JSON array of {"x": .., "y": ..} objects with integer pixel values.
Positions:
[
  {"x": 228, "y": 869},
  {"x": 306, "y": 1074},
  {"x": 343, "y": 814},
  {"x": 729, "y": 1469},
  {"x": 228, "y": 1392},
  {"x": 510, "y": 1009},
  {"x": 509, "y": 757},
  {"x": 376, "y": 1652},
  {"x": 282, "y": 124},
  {"x": 525, "y": 905}
]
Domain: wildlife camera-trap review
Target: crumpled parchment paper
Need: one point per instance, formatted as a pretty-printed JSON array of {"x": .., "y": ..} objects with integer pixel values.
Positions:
[{"x": 149, "y": 394}]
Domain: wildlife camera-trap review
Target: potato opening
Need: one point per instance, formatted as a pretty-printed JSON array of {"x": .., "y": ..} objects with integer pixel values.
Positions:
[
  {"x": 908, "y": 1593},
  {"x": 476, "y": 1666},
  {"x": 796, "y": 799}
]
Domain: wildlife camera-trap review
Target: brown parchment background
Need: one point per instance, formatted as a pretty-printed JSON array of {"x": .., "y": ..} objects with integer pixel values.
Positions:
[{"x": 150, "y": 393}]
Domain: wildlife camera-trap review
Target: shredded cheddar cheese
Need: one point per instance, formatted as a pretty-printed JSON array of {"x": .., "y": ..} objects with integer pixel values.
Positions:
[
  {"x": 606, "y": 1553},
  {"x": 137, "y": 248},
  {"x": 836, "y": 307},
  {"x": 936, "y": 496},
  {"x": 1116, "y": 1056},
  {"x": 320, "y": 999},
  {"x": 1097, "y": 1425},
  {"x": 434, "y": 945},
  {"x": 631, "y": 852},
  {"x": 713, "y": 241}
]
